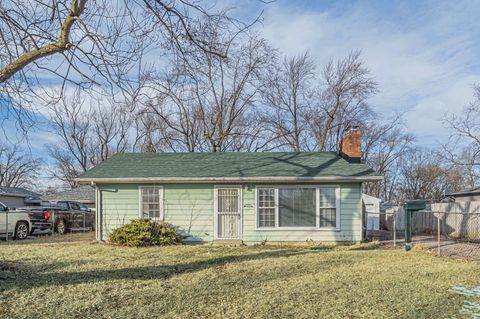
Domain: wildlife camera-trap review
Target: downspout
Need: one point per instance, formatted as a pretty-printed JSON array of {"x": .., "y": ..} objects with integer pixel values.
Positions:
[
  {"x": 98, "y": 212},
  {"x": 364, "y": 215}
]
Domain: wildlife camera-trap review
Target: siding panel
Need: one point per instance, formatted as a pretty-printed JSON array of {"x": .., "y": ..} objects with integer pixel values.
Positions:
[{"x": 190, "y": 207}]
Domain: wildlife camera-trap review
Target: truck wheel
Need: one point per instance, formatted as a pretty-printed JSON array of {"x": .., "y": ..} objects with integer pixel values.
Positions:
[
  {"x": 21, "y": 230},
  {"x": 61, "y": 228}
]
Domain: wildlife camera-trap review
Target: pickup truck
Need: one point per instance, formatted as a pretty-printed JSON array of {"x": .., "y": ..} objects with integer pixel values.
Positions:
[
  {"x": 14, "y": 222},
  {"x": 62, "y": 216}
]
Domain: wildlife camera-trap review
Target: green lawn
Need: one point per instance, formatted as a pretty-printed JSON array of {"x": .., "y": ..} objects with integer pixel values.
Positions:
[{"x": 84, "y": 280}]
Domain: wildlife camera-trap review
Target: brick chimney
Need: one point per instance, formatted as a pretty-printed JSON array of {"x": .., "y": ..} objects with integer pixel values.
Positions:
[{"x": 351, "y": 145}]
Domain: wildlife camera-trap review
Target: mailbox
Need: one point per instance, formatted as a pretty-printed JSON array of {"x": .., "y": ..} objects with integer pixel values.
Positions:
[
  {"x": 411, "y": 206},
  {"x": 417, "y": 204}
]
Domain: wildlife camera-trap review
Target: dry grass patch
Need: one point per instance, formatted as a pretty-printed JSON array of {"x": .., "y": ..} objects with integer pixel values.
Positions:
[{"x": 82, "y": 280}]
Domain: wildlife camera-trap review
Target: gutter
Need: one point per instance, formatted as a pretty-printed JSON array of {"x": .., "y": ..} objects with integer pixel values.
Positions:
[
  {"x": 85, "y": 180},
  {"x": 15, "y": 195}
]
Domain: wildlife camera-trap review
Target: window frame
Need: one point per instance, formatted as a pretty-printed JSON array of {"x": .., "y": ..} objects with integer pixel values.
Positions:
[
  {"x": 160, "y": 201},
  {"x": 257, "y": 206},
  {"x": 318, "y": 188}
]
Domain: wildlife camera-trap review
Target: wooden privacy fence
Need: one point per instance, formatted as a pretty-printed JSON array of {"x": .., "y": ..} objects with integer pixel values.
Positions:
[{"x": 460, "y": 220}]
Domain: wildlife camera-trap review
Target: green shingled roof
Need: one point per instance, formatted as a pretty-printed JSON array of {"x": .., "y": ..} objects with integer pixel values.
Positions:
[{"x": 237, "y": 166}]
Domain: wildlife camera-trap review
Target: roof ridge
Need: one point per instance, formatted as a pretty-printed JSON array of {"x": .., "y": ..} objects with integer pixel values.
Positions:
[{"x": 229, "y": 152}]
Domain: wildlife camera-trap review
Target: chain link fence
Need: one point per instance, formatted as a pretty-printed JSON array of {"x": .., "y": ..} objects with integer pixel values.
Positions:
[
  {"x": 446, "y": 233},
  {"x": 454, "y": 234},
  {"x": 384, "y": 226}
]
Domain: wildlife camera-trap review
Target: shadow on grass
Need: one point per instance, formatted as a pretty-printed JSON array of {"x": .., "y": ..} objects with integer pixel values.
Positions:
[
  {"x": 370, "y": 246},
  {"x": 47, "y": 238},
  {"x": 322, "y": 248},
  {"x": 24, "y": 276}
]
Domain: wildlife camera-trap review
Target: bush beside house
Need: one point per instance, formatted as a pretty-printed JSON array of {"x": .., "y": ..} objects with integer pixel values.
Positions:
[{"x": 144, "y": 233}]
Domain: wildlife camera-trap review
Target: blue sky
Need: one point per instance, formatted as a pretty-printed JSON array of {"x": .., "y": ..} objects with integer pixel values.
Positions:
[{"x": 424, "y": 55}]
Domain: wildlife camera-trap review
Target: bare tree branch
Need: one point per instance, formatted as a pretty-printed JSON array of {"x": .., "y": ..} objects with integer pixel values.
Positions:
[
  {"x": 17, "y": 168},
  {"x": 62, "y": 44}
]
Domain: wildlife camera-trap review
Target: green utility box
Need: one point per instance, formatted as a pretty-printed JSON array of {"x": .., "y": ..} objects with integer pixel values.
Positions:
[{"x": 411, "y": 206}]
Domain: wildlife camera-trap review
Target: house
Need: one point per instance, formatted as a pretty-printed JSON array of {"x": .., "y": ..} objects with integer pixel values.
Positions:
[
  {"x": 14, "y": 197},
  {"x": 372, "y": 210},
  {"x": 84, "y": 194},
  {"x": 467, "y": 195},
  {"x": 249, "y": 197}
]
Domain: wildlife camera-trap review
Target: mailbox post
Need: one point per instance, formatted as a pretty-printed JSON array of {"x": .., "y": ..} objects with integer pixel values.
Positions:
[{"x": 411, "y": 206}]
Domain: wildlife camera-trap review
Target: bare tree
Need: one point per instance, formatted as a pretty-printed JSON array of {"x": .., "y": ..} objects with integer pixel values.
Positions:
[
  {"x": 308, "y": 112},
  {"x": 203, "y": 102},
  {"x": 93, "y": 44},
  {"x": 423, "y": 176},
  {"x": 288, "y": 93},
  {"x": 463, "y": 148},
  {"x": 255, "y": 136},
  {"x": 343, "y": 100},
  {"x": 60, "y": 43},
  {"x": 65, "y": 167},
  {"x": 111, "y": 123},
  {"x": 384, "y": 147},
  {"x": 225, "y": 89},
  {"x": 17, "y": 168},
  {"x": 33, "y": 46},
  {"x": 89, "y": 133},
  {"x": 174, "y": 116}
]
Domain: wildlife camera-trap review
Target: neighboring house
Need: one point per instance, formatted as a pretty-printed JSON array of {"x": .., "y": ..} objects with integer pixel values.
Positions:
[
  {"x": 372, "y": 209},
  {"x": 467, "y": 195},
  {"x": 14, "y": 197},
  {"x": 249, "y": 197},
  {"x": 84, "y": 194}
]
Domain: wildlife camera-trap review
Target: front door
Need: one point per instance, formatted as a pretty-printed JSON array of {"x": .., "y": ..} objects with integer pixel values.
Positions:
[{"x": 228, "y": 213}]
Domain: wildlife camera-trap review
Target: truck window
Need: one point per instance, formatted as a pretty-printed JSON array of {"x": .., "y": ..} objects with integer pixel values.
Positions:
[
  {"x": 83, "y": 207},
  {"x": 62, "y": 205},
  {"x": 74, "y": 206}
]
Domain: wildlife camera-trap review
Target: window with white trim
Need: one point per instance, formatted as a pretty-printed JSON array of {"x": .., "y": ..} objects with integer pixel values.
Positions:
[
  {"x": 151, "y": 202},
  {"x": 328, "y": 207},
  {"x": 298, "y": 207},
  {"x": 266, "y": 207}
]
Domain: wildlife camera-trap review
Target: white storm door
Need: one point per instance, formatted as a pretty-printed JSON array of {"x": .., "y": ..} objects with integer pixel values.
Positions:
[{"x": 228, "y": 213}]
